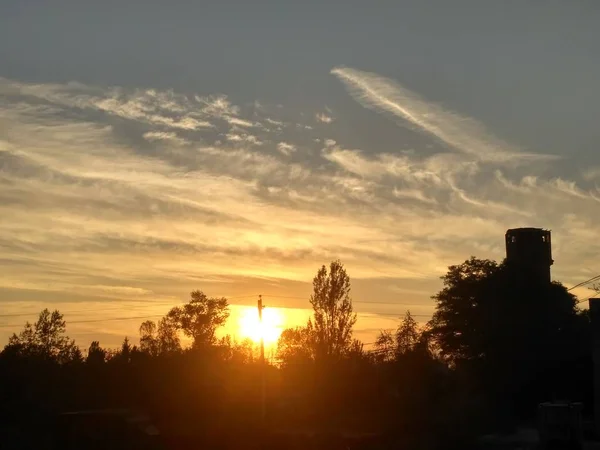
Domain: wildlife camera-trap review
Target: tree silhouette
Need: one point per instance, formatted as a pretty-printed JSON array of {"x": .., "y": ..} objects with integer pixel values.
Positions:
[
  {"x": 385, "y": 346},
  {"x": 124, "y": 354},
  {"x": 45, "y": 339},
  {"x": 407, "y": 335},
  {"x": 485, "y": 307},
  {"x": 456, "y": 321},
  {"x": 239, "y": 351},
  {"x": 504, "y": 340},
  {"x": 167, "y": 336},
  {"x": 295, "y": 346},
  {"x": 333, "y": 317},
  {"x": 148, "y": 341},
  {"x": 161, "y": 339},
  {"x": 96, "y": 354},
  {"x": 391, "y": 345},
  {"x": 200, "y": 318},
  {"x": 512, "y": 332}
]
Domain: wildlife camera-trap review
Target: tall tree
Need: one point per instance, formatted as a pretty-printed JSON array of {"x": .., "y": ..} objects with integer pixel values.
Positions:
[
  {"x": 333, "y": 317},
  {"x": 200, "y": 318},
  {"x": 45, "y": 338}
]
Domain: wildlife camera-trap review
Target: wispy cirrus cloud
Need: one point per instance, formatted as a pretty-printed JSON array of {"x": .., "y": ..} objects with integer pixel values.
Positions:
[{"x": 460, "y": 133}]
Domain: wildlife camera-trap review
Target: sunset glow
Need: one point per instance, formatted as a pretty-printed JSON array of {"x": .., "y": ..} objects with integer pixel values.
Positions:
[
  {"x": 270, "y": 329},
  {"x": 304, "y": 225},
  {"x": 244, "y": 178}
]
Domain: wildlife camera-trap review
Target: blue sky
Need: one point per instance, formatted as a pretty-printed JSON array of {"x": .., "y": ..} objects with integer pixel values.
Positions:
[{"x": 151, "y": 148}]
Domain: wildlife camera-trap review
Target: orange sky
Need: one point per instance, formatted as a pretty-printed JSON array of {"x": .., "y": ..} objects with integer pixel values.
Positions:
[{"x": 117, "y": 202}]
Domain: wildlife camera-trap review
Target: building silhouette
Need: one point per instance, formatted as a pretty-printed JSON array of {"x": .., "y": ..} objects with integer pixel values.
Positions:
[{"x": 530, "y": 251}]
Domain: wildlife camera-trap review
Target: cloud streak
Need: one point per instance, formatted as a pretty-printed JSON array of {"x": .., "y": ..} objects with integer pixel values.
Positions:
[{"x": 460, "y": 133}]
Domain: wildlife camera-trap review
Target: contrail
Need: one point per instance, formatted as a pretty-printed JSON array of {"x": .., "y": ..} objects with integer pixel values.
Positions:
[{"x": 462, "y": 133}]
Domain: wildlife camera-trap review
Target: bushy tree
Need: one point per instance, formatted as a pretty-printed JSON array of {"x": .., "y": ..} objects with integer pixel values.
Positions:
[
  {"x": 405, "y": 339},
  {"x": 125, "y": 354},
  {"x": 161, "y": 339},
  {"x": 237, "y": 351},
  {"x": 295, "y": 345},
  {"x": 200, "y": 318},
  {"x": 45, "y": 339},
  {"x": 512, "y": 332},
  {"x": 167, "y": 335},
  {"x": 489, "y": 310},
  {"x": 407, "y": 335},
  {"x": 385, "y": 346},
  {"x": 457, "y": 321},
  {"x": 96, "y": 354},
  {"x": 148, "y": 341}
]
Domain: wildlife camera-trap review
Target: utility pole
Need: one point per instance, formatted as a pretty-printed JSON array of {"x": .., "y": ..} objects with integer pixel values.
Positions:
[{"x": 263, "y": 382}]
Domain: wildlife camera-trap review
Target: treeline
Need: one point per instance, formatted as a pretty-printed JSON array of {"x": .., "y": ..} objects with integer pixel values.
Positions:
[{"x": 499, "y": 342}]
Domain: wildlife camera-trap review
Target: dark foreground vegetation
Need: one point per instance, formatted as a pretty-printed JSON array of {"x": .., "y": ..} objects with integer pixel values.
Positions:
[{"x": 499, "y": 343}]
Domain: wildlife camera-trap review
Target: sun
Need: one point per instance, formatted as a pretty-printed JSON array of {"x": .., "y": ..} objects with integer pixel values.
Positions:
[{"x": 269, "y": 330}]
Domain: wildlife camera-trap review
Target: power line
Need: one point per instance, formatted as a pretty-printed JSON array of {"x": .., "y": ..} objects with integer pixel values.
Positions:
[
  {"x": 385, "y": 303},
  {"x": 353, "y": 301},
  {"x": 121, "y": 308},
  {"x": 583, "y": 283},
  {"x": 77, "y": 311},
  {"x": 94, "y": 320},
  {"x": 399, "y": 316},
  {"x": 129, "y": 307}
]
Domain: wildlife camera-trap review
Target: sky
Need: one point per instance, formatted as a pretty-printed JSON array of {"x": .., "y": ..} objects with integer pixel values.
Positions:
[{"x": 151, "y": 148}]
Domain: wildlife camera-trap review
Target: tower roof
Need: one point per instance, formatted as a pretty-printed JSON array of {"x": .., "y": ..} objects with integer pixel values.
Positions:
[{"x": 526, "y": 230}]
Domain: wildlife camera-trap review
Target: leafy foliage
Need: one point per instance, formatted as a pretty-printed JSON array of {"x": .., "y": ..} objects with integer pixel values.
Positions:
[
  {"x": 161, "y": 339},
  {"x": 198, "y": 319},
  {"x": 45, "y": 339},
  {"x": 392, "y": 345},
  {"x": 488, "y": 310},
  {"x": 295, "y": 345},
  {"x": 515, "y": 336},
  {"x": 456, "y": 322},
  {"x": 96, "y": 354}
]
